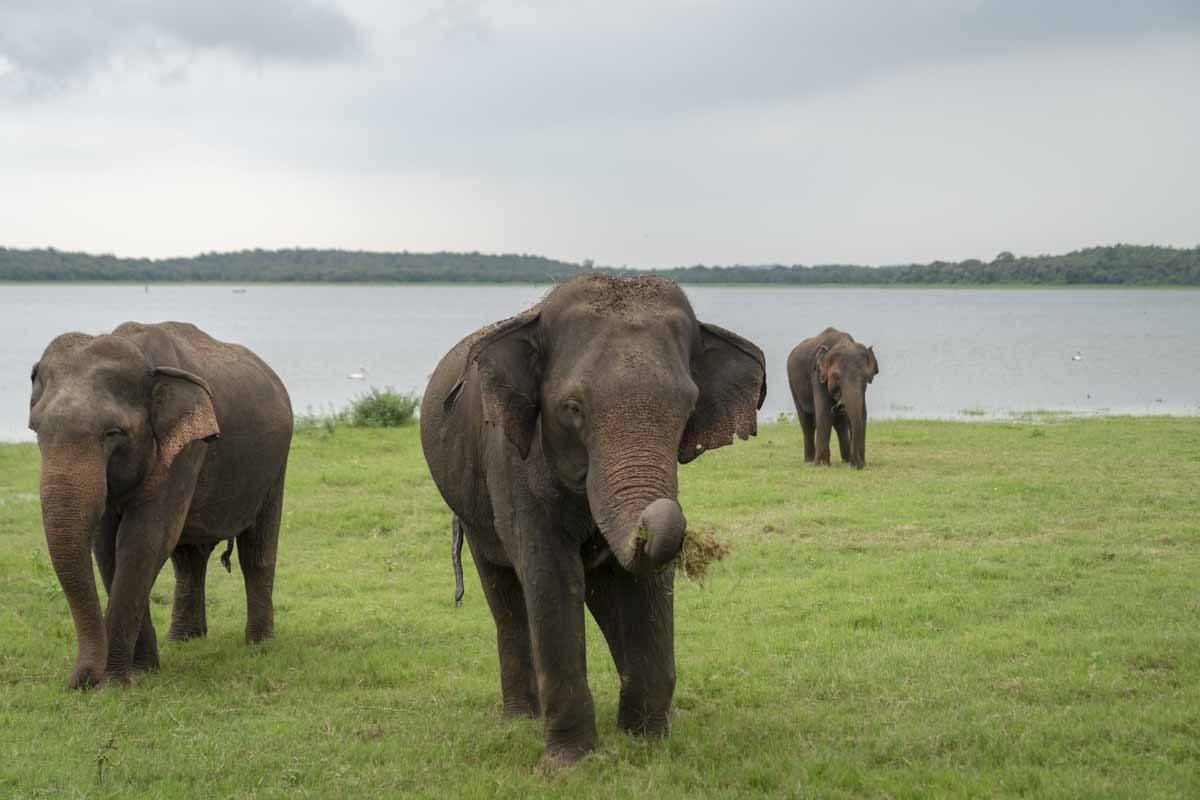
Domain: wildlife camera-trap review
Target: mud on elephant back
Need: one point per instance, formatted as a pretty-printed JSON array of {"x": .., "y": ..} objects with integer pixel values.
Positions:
[
  {"x": 156, "y": 441},
  {"x": 554, "y": 436}
]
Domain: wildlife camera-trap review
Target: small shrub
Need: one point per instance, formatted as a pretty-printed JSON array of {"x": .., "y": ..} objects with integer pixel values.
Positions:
[{"x": 382, "y": 408}]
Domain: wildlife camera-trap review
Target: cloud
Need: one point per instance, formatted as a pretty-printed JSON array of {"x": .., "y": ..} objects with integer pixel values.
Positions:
[
  {"x": 670, "y": 132},
  {"x": 57, "y": 40},
  {"x": 586, "y": 60}
]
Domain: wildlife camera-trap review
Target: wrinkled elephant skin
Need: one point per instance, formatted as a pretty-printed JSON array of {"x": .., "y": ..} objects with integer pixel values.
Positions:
[
  {"x": 554, "y": 437},
  {"x": 156, "y": 442}
]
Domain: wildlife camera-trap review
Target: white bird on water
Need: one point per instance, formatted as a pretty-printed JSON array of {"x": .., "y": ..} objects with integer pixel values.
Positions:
[
  {"x": 359, "y": 374},
  {"x": 1077, "y": 357}
]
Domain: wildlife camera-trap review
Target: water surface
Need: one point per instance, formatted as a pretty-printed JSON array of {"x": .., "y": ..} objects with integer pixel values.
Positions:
[{"x": 942, "y": 352}]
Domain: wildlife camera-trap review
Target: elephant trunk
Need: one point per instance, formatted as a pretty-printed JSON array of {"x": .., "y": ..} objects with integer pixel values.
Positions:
[
  {"x": 73, "y": 489},
  {"x": 856, "y": 412},
  {"x": 632, "y": 489}
]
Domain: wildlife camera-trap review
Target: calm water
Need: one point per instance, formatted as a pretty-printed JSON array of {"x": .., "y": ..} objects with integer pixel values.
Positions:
[{"x": 942, "y": 352}]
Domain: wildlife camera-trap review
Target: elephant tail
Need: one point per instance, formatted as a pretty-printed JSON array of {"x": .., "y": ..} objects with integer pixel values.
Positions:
[
  {"x": 456, "y": 543},
  {"x": 225, "y": 562}
]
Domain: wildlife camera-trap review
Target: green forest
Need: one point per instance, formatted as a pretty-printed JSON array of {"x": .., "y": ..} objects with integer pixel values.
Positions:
[{"x": 1121, "y": 264}]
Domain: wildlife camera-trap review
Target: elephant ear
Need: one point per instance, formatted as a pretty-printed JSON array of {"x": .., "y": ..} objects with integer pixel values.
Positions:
[
  {"x": 509, "y": 363},
  {"x": 181, "y": 412},
  {"x": 731, "y": 374},
  {"x": 822, "y": 362},
  {"x": 874, "y": 362}
]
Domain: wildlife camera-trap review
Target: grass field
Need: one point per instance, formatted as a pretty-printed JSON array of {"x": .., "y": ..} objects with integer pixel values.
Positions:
[{"x": 990, "y": 609}]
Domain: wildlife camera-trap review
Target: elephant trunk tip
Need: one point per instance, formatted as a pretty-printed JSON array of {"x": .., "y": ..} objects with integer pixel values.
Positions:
[{"x": 662, "y": 526}]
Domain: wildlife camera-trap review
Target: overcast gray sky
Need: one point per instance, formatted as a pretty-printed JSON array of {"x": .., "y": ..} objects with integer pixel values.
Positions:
[{"x": 630, "y": 132}]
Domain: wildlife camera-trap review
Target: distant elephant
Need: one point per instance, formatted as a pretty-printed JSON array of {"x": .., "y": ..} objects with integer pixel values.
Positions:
[
  {"x": 828, "y": 375},
  {"x": 156, "y": 441},
  {"x": 554, "y": 436}
]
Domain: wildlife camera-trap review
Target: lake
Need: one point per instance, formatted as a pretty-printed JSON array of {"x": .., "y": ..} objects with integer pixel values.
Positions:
[{"x": 943, "y": 353}]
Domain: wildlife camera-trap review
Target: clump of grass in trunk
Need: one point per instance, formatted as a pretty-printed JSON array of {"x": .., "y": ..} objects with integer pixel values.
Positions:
[{"x": 698, "y": 551}]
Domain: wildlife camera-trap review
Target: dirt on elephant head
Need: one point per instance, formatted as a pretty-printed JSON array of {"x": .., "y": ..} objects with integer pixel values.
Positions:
[{"x": 612, "y": 295}]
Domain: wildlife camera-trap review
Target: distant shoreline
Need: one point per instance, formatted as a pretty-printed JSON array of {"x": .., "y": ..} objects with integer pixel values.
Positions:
[
  {"x": 690, "y": 284},
  {"x": 1120, "y": 265}
]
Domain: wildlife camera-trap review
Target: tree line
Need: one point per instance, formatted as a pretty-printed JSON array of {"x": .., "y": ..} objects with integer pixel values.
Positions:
[{"x": 1121, "y": 264}]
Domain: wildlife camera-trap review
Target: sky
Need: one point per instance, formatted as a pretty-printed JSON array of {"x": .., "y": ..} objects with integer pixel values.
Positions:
[{"x": 643, "y": 134}]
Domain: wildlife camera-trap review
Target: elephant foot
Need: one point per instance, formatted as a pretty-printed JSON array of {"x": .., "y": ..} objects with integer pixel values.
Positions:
[
  {"x": 145, "y": 663},
  {"x": 181, "y": 633},
  {"x": 521, "y": 708},
  {"x": 85, "y": 676},
  {"x": 648, "y": 725},
  {"x": 118, "y": 677},
  {"x": 256, "y": 635},
  {"x": 555, "y": 759}
]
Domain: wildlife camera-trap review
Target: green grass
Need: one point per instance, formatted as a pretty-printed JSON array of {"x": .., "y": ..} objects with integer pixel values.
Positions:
[{"x": 990, "y": 609}]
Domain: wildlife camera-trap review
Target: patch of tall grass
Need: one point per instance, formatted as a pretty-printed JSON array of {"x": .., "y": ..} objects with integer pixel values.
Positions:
[{"x": 377, "y": 408}]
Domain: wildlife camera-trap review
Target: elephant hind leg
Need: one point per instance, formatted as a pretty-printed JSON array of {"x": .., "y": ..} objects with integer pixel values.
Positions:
[
  {"x": 636, "y": 615},
  {"x": 257, "y": 547},
  {"x": 188, "y": 617},
  {"x": 506, "y": 599}
]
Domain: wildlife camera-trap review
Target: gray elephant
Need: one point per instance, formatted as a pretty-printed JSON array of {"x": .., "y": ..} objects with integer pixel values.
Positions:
[
  {"x": 828, "y": 375},
  {"x": 157, "y": 441},
  {"x": 554, "y": 437}
]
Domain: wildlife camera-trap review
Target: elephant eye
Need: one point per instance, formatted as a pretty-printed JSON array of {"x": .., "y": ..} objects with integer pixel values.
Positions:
[
  {"x": 573, "y": 408},
  {"x": 111, "y": 432}
]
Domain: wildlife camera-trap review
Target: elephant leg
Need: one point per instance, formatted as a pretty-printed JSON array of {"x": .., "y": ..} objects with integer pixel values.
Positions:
[
  {"x": 145, "y": 648},
  {"x": 551, "y": 572},
  {"x": 842, "y": 425},
  {"x": 257, "y": 547},
  {"x": 863, "y": 454},
  {"x": 636, "y": 615},
  {"x": 132, "y": 643},
  {"x": 824, "y": 426},
  {"x": 518, "y": 679},
  {"x": 808, "y": 427},
  {"x": 188, "y": 620},
  {"x": 147, "y": 534}
]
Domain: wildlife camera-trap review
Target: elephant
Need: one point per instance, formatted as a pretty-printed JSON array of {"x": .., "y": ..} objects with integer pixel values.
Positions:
[
  {"x": 553, "y": 436},
  {"x": 828, "y": 375},
  {"x": 156, "y": 441}
]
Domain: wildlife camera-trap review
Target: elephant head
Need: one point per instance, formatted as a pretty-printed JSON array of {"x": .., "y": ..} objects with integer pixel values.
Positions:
[
  {"x": 844, "y": 371},
  {"x": 615, "y": 381},
  {"x": 110, "y": 418}
]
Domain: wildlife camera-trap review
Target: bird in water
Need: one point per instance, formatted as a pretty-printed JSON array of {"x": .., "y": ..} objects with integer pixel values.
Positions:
[
  {"x": 359, "y": 374},
  {"x": 1077, "y": 357}
]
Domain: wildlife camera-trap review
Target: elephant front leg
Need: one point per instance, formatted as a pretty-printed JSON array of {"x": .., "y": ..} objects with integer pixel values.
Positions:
[
  {"x": 147, "y": 534},
  {"x": 132, "y": 643},
  {"x": 824, "y": 427},
  {"x": 808, "y": 428},
  {"x": 553, "y": 582},
  {"x": 145, "y": 649},
  {"x": 636, "y": 615},
  {"x": 188, "y": 616},
  {"x": 842, "y": 426},
  {"x": 518, "y": 679}
]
